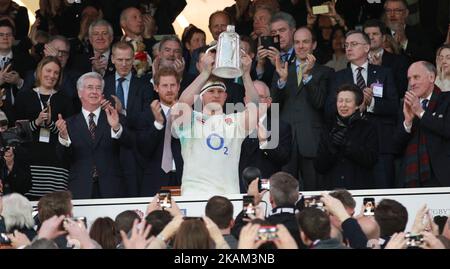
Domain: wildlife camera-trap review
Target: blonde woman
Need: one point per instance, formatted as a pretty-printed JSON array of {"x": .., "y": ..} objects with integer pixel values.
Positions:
[{"x": 443, "y": 68}]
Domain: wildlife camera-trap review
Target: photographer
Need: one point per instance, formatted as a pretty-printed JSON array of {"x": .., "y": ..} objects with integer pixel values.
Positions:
[
  {"x": 15, "y": 173},
  {"x": 283, "y": 196}
]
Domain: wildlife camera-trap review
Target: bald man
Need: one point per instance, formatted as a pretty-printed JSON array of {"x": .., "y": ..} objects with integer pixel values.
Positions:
[
  {"x": 261, "y": 151},
  {"x": 423, "y": 134}
]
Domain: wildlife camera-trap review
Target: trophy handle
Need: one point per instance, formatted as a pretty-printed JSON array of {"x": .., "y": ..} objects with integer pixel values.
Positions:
[{"x": 211, "y": 48}]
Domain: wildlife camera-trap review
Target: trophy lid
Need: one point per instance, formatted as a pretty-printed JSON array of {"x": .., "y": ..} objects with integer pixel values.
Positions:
[{"x": 230, "y": 28}]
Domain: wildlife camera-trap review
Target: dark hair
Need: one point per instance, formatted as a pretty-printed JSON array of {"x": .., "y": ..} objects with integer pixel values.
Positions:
[
  {"x": 376, "y": 23},
  {"x": 283, "y": 189},
  {"x": 220, "y": 210},
  {"x": 391, "y": 216},
  {"x": 165, "y": 71},
  {"x": 46, "y": 60},
  {"x": 345, "y": 197},
  {"x": 364, "y": 35},
  {"x": 313, "y": 35},
  {"x": 124, "y": 221},
  {"x": 314, "y": 223},
  {"x": 54, "y": 204},
  {"x": 193, "y": 234},
  {"x": 189, "y": 32},
  {"x": 359, "y": 97},
  {"x": 5, "y": 22},
  {"x": 158, "y": 219},
  {"x": 103, "y": 231}
]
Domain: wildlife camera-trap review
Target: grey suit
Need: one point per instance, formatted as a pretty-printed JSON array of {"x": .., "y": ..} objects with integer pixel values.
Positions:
[{"x": 302, "y": 107}]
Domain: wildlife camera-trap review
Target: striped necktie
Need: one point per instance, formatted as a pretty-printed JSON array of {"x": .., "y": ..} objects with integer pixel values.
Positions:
[{"x": 359, "y": 79}]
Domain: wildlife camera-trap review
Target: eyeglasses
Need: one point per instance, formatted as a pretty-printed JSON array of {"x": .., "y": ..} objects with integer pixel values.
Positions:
[
  {"x": 7, "y": 35},
  {"x": 353, "y": 44},
  {"x": 396, "y": 11}
]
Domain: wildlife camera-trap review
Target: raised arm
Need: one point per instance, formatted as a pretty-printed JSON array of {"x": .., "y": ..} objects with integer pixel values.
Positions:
[
  {"x": 251, "y": 111},
  {"x": 206, "y": 63}
]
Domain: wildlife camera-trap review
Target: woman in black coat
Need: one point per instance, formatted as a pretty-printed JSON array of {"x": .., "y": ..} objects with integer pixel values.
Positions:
[{"x": 348, "y": 151}]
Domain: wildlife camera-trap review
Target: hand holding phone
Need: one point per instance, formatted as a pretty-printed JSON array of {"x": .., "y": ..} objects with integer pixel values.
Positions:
[{"x": 267, "y": 233}]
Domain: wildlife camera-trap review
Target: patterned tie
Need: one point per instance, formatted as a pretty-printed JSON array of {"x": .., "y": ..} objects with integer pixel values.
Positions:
[
  {"x": 359, "y": 79},
  {"x": 424, "y": 104},
  {"x": 299, "y": 74},
  {"x": 167, "y": 158},
  {"x": 120, "y": 93},
  {"x": 3, "y": 61},
  {"x": 92, "y": 127},
  {"x": 284, "y": 57}
]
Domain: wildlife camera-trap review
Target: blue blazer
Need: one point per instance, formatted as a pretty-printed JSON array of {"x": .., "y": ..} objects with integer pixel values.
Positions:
[{"x": 84, "y": 152}]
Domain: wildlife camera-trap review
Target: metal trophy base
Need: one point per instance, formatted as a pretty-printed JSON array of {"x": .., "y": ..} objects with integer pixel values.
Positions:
[{"x": 227, "y": 72}]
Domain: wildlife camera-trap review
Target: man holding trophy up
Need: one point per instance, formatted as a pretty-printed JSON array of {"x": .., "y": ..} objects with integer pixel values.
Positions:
[{"x": 211, "y": 140}]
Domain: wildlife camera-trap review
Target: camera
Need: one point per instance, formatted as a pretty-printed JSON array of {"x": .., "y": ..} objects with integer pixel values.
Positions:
[
  {"x": 15, "y": 136},
  {"x": 369, "y": 206},
  {"x": 414, "y": 240},
  {"x": 267, "y": 233},
  {"x": 270, "y": 41},
  {"x": 165, "y": 199},
  {"x": 78, "y": 220},
  {"x": 4, "y": 239},
  {"x": 263, "y": 184},
  {"x": 314, "y": 202},
  {"x": 248, "y": 206},
  {"x": 318, "y": 6}
]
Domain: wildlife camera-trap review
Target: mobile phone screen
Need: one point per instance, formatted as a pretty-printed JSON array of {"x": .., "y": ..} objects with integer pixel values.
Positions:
[
  {"x": 165, "y": 199},
  {"x": 369, "y": 204},
  {"x": 248, "y": 205}
]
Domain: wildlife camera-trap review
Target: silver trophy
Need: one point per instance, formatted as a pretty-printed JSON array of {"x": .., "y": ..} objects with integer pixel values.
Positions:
[{"x": 228, "y": 56}]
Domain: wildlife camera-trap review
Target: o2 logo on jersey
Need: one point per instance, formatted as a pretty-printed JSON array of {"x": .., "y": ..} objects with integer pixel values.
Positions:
[{"x": 216, "y": 142}]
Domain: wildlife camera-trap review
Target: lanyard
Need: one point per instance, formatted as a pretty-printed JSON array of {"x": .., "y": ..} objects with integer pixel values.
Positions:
[{"x": 40, "y": 100}]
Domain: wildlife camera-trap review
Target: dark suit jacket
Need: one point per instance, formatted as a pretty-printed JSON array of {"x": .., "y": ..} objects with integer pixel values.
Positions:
[
  {"x": 84, "y": 152},
  {"x": 384, "y": 116},
  {"x": 139, "y": 97},
  {"x": 21, "y": 63},
  {"x": 269, "y": 161},
  {"x": 419, "y": 47},
  {"x": 399, "y": 65},
  {"x": 302, "y": 106},
  {"x": 436, "y": 128},
  {"x": 349, "y": 166},
  {"x": 286, "y": 218},
  {"x": 151, "y": 146},
  {"x": 82, "y": 63}
]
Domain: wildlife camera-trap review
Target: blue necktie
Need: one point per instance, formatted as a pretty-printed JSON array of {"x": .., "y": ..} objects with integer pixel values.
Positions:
[
  {"x": 120, "y": 93},
  {"x": 424, "y": 104}
]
